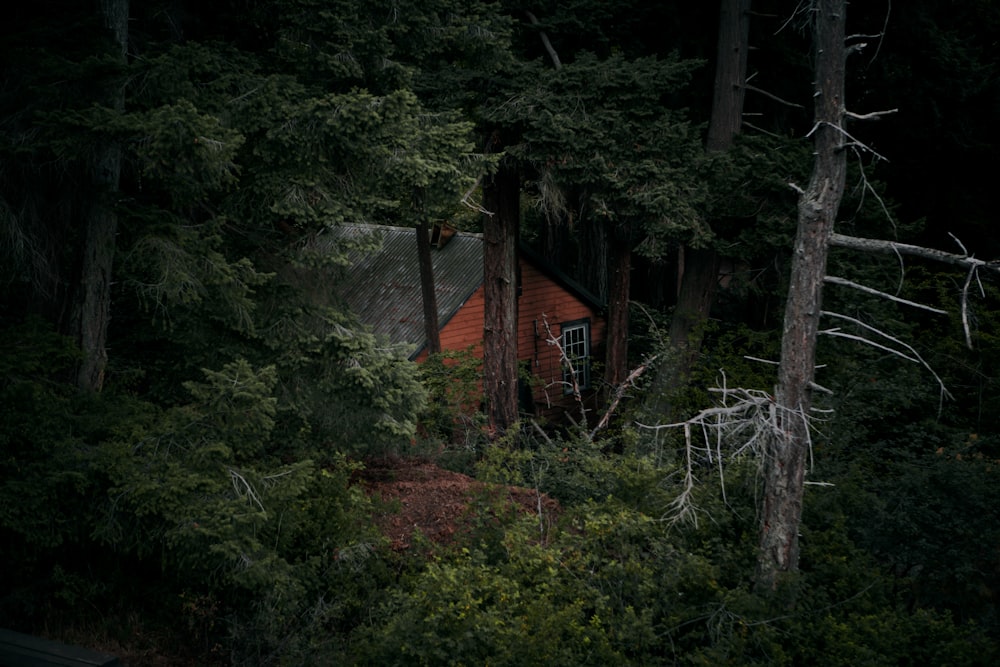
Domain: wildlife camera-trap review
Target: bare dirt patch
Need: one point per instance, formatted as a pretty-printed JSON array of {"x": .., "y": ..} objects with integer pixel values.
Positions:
[{"x": 440, "y": 504}]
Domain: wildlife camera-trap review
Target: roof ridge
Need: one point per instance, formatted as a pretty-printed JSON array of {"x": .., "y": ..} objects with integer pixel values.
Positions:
[{"x": 400, "y": 228}]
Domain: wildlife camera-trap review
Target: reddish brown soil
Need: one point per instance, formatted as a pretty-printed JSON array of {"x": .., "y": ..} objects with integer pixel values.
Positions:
[{"x": 441, "y": 504}]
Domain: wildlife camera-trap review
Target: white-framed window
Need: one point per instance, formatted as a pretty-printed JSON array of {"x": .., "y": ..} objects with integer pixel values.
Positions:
[{"x": 575, "y": 341}]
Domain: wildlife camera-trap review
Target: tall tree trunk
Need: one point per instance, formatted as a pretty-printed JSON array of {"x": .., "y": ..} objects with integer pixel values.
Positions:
[
  {"x": 730, "y": 75},
  {"x": 500, "y": 232},
  {"x": 102, "y": 226},
  {"x": 616, "y": 359},
  {"x": 785, "y": 463},
  {"x": 699, "y": 268},
  {"x": 431, "y": 330},
  {"x": 592, "y": 256}
]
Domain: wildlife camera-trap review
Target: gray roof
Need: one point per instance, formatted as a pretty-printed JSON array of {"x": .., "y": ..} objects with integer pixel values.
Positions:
[{"x": 383, "y": 286}]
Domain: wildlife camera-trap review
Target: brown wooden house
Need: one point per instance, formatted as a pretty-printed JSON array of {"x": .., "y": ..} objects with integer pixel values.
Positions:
[{"x": 383, "y": 288}]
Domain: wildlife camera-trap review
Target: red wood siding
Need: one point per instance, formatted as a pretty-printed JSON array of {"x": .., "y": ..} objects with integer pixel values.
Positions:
[
  {"x": 466, "y": 327},
  {"x": 542, "y": 299}
]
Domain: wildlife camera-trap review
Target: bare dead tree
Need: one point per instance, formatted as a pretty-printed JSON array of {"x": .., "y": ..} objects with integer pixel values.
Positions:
[{"x": 777, "y": 429}]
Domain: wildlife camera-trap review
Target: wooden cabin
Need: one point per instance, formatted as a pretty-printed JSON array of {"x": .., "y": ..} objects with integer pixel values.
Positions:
[{"x": 383, "y": 288}]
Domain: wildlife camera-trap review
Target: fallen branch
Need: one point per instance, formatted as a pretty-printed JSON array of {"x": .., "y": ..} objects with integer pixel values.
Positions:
[{"x": 620, "y": 394}]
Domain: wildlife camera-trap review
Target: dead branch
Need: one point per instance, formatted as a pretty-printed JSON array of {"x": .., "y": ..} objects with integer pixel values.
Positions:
[
  {"x": 620, "y": 394},
  {"x": 857, "y": 143},
  {"x": 545, "y": 41},
  {"x": 540, "y": 431},
  {"x": 915, "y": 358},
  {"x": 763, "y": 361},
  {"x": 772, "y": 96},
  {"x": 574, "y": 383},
  {"x": 880, "y": 245},
  {"x": 873, "y": 115},
  {"x": 467, "y": 201},
  {"x": 965, "y": 305},
  {"x": 744, "y": 422},
  {"x": 959, "y": 242},
  {"x": 867, "y": 187},
  {"x": 834, "y": 280},
  {"x": 760, "y": 129}
]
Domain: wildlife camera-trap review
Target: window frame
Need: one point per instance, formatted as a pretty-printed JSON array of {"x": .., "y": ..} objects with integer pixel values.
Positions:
[{"x": 582, "y": 370}]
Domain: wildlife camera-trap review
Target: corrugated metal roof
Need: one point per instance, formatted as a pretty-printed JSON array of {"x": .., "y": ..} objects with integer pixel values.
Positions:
[{"x": 383, "y": 286}]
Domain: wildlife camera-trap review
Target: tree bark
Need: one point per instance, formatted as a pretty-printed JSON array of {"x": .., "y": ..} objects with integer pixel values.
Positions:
[
  {"x": 699, "y": 269},
  {"x": 500, "y": 232},
  {"x": 101, "y": 227},
  {"x": 616, "y": 357},
  {"x": 431, "y": 329},
  {"x": 730, "y": 75},
  {"x": 785, "y": 462},
  {"x": 592, "y": 256}
]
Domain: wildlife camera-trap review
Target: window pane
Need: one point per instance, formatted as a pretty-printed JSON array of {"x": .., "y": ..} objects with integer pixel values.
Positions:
[{"x": 576, "y": 347}]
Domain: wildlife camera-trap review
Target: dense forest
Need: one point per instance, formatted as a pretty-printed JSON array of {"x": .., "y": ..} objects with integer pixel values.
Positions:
[{"x": 786, "y": 207}]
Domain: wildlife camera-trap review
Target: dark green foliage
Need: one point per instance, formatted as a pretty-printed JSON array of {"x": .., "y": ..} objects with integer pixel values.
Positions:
[{"x": 208, "y": 496}]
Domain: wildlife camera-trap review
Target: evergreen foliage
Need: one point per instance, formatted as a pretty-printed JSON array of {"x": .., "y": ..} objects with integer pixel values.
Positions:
[{"x": 208, "y": 496}]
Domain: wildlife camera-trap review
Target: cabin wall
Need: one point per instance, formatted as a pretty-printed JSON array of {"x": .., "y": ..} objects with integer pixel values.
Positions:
[
  {"x": 465, "y": 328},
  {"x": 545, "y": 301},
  {"x": 542, "y": 300}
]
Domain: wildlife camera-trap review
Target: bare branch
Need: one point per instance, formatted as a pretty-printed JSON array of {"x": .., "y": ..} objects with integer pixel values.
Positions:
[
  {"x": 857, "y": 143},
  {"x": 620, "y": 394},
  {"x": 574, "y": 383},
  {"x": 745, "y": 421},
  {"x": 243, "y": 488},
  {"x": 880, "y": 245},
  {"x": 915, "y": 358},
  {"x": 834, "y": 280},
  {"x": 540, "y": 431},
  {"x": 759, "y": 129},
  {"x": 960, "y": 244},
  {"x": 545, "y": 41},
  {"x": 885, "y": 25},
  {"x": 965, "y": 306},
  {"x": 772, "y": 96},
  {"x": 467, "y": 201},
  {"x": 867, "y": 187},
  {"x": 873, "y": 115},
  {"x": 800, "y": 8},
  {"x": 763, "y": 361},
  {"x": 855, "y": 48}
]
